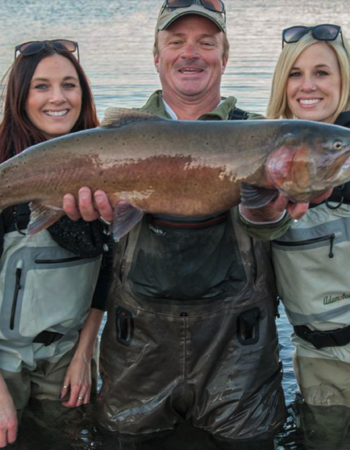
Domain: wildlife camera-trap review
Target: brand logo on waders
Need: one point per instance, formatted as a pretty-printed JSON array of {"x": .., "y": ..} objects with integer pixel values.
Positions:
[{"x": 329, "y": 299}]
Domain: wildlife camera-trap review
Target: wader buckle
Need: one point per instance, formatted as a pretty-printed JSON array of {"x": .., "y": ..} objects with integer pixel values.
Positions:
[
  {"x": 47, "y": 338},
  {"x": 248, "y": 329},
  {"x": 124, "y": 326}
]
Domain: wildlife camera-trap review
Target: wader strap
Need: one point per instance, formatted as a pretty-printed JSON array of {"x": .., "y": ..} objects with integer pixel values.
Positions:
[
  {"x": 237, "y": 114},
  {"x": 320, "y": 339},
  {"x": 340, "y": 195},
  {"x": 47, "y": 338},
  {"x": 21, "y": 215}
]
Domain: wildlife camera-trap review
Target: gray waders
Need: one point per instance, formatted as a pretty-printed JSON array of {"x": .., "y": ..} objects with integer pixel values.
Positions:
[
  {"x": 191, "y": 335},
  {"x": 46, "y": 293}
]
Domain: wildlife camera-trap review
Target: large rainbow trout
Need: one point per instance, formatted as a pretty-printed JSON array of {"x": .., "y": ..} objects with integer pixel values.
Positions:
[{"x": 182, "y": 168}]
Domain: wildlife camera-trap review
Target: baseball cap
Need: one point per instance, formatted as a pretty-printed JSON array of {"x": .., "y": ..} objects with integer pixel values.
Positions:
[{"x": 168, "y": 14}]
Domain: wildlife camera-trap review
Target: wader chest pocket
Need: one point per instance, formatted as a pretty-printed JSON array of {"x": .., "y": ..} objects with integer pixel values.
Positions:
[
  {"x": 248, "y": 326},
  {"x": 57, "y": 261},
  {"x": 124, "y": 326},
  {"x": 312, "y": 241}
]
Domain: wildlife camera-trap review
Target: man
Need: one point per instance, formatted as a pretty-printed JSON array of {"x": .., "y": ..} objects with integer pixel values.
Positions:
[{"x": 191, "y": 332}]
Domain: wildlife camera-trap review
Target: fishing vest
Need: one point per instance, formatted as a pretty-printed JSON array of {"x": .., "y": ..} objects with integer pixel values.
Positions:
[{"x": 44, "y": 288}]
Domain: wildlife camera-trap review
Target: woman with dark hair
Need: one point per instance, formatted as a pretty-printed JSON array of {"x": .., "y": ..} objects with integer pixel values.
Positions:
[
  {"x": 48, "y": 318},
  {"x": 17, "y": 132}
]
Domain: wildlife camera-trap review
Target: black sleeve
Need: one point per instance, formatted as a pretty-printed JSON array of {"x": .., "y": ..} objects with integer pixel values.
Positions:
[
  {"x": 85, "y": 239},
  {"x": 88, "y": 240},
  {"x": 99, "y": 300}
]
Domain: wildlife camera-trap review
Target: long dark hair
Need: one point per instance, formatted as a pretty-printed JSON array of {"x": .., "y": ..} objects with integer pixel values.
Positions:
[{"x": 16, "y": 130}]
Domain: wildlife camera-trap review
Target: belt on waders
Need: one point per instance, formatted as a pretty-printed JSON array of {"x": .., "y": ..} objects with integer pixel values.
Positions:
[
  {"x": 321, "y": 339},
  {"x": 47, "y": 338},
  {"x": 171, "y": 222}
]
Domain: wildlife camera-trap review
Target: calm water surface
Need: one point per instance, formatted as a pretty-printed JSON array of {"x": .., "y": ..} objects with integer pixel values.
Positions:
[{"x": 115, "y": 39}]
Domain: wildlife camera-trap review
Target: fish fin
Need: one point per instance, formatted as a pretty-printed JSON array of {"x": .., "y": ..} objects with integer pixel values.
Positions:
[
  {"x": 42, "y": 217},
  {"x": 256, "y": 197},
  {"x": 126, "y": 217},
  {"x": 118, "y": 117}
]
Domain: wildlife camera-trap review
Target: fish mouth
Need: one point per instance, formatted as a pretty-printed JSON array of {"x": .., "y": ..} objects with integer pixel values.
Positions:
[
  {"x": 340, "y": 172},
  {"x": 345, "y": 168}
]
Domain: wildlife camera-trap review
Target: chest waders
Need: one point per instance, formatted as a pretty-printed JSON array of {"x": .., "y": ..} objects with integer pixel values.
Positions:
[
  {"x": 191, "y": 333},
  {"x": 311, "y": 263},
  {"x": 46, "y": 293}
]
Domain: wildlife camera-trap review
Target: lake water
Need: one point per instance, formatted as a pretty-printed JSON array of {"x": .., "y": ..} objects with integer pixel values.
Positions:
[{"x": 115, "y": 39}]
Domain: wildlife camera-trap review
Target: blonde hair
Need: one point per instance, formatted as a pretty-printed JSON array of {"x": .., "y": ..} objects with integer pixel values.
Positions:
[{"x": 277, "y": 107}]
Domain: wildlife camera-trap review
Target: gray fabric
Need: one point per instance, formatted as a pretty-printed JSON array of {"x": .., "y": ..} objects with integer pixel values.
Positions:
[
  {"x": 43, "y": 287},
  {"x": 45, "y": 381},
  {"x": 301, "y": 319},
  {"x": 312, "y": 277},
  {"x": 205, "y": 260},
  {"x": 323, "y": 428},
  {"x": 340, "y": 227},
  {"x": 191, "y": 359},
  {"x": 323, "y": 377}
]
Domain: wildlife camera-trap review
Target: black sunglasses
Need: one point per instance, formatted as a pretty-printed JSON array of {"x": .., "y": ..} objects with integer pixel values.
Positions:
[
  {"x": 32, "y": 47},
  {"x": 323, "y": 32},
  {"x": 213, "y": 5}
]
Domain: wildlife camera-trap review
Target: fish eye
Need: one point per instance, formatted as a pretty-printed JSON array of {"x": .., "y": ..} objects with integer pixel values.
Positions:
[{"x": 338, "y": 145}]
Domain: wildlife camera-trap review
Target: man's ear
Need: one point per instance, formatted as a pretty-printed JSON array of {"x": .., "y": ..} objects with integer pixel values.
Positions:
[
  {"x": 224, "y": 65},
  {"x": 156, "y": 61}
]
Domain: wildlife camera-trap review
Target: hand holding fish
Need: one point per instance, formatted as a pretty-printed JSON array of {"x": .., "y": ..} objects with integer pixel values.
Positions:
[
  {"x": 269, "y": 213},
  {"x": 86, "y": 208},
  {"x": 274, "y": 210}
]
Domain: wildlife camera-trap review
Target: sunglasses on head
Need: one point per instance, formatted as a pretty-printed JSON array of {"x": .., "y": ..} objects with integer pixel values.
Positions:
[
  {"x": 33, "y": 47},
  {"x": 324, "y": 32},
  {"x": 212, "y": 5}
]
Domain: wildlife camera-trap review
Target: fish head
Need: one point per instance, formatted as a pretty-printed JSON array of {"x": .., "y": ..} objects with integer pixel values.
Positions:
[{"x": 309, "y": 158}]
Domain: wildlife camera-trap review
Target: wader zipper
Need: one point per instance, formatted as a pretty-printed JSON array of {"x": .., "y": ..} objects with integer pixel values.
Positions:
[
  {"x": 57, "y": 261},
  {"x": 15, "y": 295},
  {"x": 329, "y": 237},
  {"x": 185, "y": 324}
]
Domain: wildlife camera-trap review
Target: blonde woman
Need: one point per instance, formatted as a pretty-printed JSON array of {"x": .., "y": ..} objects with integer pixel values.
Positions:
[{"x": 311, "y": 82}]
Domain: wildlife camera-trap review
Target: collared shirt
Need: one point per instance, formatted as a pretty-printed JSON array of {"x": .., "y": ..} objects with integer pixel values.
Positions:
[{"x": 156, "y": 105}]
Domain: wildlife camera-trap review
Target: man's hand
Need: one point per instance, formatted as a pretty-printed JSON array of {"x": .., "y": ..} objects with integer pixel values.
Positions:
[
  {"x": 89, "y": 207},
  {"x": 275, "y": 209}
]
